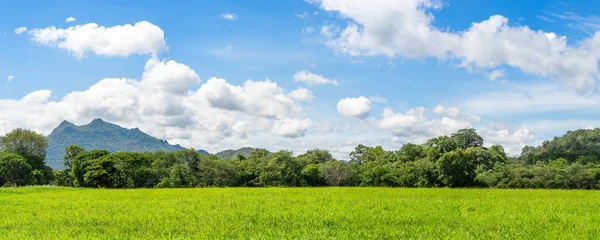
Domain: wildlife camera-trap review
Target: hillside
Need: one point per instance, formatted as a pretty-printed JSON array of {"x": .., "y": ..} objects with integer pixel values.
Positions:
[
  {"x": 233, "y": 153},
  {"x": 203, "y": 152},
  {"x": 581, "y": 145},
  {"x": 100, "y": 135}
]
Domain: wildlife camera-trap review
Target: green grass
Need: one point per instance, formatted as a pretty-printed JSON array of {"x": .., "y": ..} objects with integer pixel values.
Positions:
[{"x": 292, "y": 213}]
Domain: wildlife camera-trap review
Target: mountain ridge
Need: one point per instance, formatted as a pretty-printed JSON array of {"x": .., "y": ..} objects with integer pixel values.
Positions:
[{"x": 99, "y": 134}]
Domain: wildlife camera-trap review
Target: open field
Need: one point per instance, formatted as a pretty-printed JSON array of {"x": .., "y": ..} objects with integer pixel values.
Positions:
[{"x": 285, "y": 213}]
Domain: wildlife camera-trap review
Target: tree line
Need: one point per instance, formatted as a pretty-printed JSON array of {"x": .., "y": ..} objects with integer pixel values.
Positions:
[{"x": 458, "y": 160}]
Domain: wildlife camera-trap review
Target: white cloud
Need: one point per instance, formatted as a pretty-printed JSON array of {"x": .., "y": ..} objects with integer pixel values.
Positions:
[
  {"x": 504, "y": 136},
  {"x": 415, "y": 124},
  {"x": 229, "y": 16},
  {"x": 217, "y": 116},
  {"x": 10, "y": 78},
  {"x": 498, "y": 73},
  {"x": 312, "y": 79},
  {"x": 588, "y": 24},
  {"x": 70, "y": 19},
  {"x": 121, "y": 40},
  {"x": 301, "y": 94},
  {"x": 551, "y": 127},
  {"x": 449, "y": 111},
  {"x": 378, "y": 99},
  {"x": 512, "y": 139},
  {"x": 291, "y": 128},
  {"x": 20, "y": 30},
  {"x": 264, "y": 98},
  {"x": 354, "y": 107},
  {"x": 168, "y": 76},
  {"x": 405, "y": 28},
  {"x": 533, "y": 98}
]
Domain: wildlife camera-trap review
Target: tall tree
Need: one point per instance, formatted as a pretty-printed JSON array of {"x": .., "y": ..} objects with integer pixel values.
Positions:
[
  {"x": 467, "y": 138},
  {"x": 316, "y": 156},
  {"x": 29, "y": 144},
  {"x": 71, "y": 152},
  {"x": 81, "y": 162}
]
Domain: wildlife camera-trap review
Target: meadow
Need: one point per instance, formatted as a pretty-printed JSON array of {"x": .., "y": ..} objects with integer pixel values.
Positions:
[{"x": 298, "y": 213}]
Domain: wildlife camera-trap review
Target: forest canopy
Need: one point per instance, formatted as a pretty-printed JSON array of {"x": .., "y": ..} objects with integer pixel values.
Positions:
[{"x": 458, "y": 160}]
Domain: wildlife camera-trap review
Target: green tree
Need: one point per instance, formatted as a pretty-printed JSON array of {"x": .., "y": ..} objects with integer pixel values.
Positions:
[
  {"x": 311, "y": 174},
  {"x": 434, "y": 148},
  {"x": 409, "y": 152},
  {"x": 14, "y": 170},
  {"x": 376, "y": 174},
  {"x": 29, "y": 144},
  {"x": 135, "y": 169},
  {"x": 80, "y": 163},
  {"x": 335, "y": 172},
  {"x": 467, "y": 138},
  {"x": 71, "y": 152},
  {"x": 63, "y": 178},
  {"x": 102, "y": 173},
  {"x": 456, "y": 169},
  {"x": 179, "y": 176},
  {"x": 316, "y": 156},
  {"x": 363, "y": 154},
  {"x": 217, "y": 172}
]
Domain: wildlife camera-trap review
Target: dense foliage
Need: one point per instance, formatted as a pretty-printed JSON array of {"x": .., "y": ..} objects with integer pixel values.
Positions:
[
  {"x": 458, "y": 160},
  {"x": 22, "y": 154},
  {"x": 581, "y": 146}
]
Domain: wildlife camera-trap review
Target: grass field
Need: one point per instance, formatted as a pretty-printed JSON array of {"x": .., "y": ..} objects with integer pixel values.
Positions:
[{"x": 306, "y": 213}]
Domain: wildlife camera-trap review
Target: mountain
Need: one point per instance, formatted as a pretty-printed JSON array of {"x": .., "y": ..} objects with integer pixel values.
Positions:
[
  {"x": 100, "y": 135},
  {"x": 233, "y": 153},
  {"x": 203, "y": 152}
]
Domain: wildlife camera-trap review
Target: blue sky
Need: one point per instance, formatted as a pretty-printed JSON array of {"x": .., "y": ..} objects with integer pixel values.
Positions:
[{"x": 221, "y": 74}]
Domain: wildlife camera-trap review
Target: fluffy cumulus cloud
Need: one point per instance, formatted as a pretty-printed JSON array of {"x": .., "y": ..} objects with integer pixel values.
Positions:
[
  {"x": 10, "y": 78},
  {"x": 291, "y": 128},
  {"x": 142, "y": 38},
  {"x": 416, "y": 123},
  {"x": 405, "y": 28},
  {"x": 264, "y": 98},
  {"x": 229, "y": 16},
  {"x": 70, "y": 19},
  {"x": 301, "y": 94},
  {"x": 354, "y": 107},
  {"x": 162, "y": 102},
  {"x": 446, "y": 111},
  {"x": 513, "y": 139},
  {"x": 312, "y": 79},
  {"x": 504, "y": 136},
  {"x": 20, "y": 30}
]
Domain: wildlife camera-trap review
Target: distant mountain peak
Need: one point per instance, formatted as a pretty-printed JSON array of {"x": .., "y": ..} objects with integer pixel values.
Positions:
[
  {"x": 98, "y": 120},
  {"x": 66, "y": 123},
  {"x": 62, "y": 126}
]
